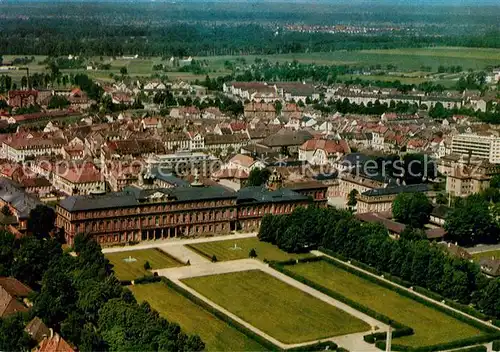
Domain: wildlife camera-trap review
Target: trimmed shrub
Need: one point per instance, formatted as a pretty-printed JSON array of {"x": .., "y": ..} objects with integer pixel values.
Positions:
[
  {"x": 320, "y": 346},
  {"x": 147, "y": 279},
  {"x": 310, "y": 259},
  {"x": 147, "y": 266},
  {"x": 253, "y": 253}
]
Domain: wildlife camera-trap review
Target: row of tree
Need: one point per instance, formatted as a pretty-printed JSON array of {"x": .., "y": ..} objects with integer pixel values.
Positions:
[{"x": 411, "y": 258}]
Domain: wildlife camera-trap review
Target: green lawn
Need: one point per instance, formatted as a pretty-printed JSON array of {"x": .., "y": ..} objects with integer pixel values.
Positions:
[
  {"x": 225, "y": 250},
  {"x": 280, "y": 310},
  {"x": 404, "y": 59},
  {"x": 132, "y": 270},
  {"x": 489, "y": 254},
  {"x": 430, "y": 326},
  {"x": 193, "y": 319}
]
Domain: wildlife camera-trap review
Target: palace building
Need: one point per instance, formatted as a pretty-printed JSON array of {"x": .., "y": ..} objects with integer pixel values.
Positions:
[{"x": 141, "y": 214}]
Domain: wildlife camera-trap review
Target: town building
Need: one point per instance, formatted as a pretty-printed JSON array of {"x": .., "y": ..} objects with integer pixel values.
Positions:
[
  {"x": 138, "y": 213},
  {"x": 22, "y": 98},
  {"x": 381, "y": 199},
  {"x": 484, "y": 147}
]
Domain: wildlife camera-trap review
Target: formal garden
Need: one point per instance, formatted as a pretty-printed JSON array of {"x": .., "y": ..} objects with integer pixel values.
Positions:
[
  {"x": 430, "y": 326},
  {"x": 240, "y": 249},
  {"x": 130, "y": 265},
  {"x": 194, "y": 319},
  {"x": 282, "y": 311}
]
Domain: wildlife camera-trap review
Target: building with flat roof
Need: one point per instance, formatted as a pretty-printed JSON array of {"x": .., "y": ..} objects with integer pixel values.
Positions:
[{"x": 484, "y": 147}]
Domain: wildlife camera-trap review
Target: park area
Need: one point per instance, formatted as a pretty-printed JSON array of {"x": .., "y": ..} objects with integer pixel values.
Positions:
[
  {"x": 240, "y": 249},
  {"x": 129, "y": 265},
  {"x": 430, "y": 325},
  {"x": 276, "y": 308},
  {"x": 217, "y": 335}
]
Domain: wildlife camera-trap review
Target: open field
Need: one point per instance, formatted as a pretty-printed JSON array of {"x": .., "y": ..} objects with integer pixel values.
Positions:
[
  {"x": 387, "y": 78},
  {"x": 217, "y": 335},
  {"x": 132, "y": 270},
  {"x": 225, "y": 250},
  {"x": 431, "y": 326},
  {"x": 406, "y": 60},
  {"x": 488, "y": 254},
  {"x": 280, "y": 310}
]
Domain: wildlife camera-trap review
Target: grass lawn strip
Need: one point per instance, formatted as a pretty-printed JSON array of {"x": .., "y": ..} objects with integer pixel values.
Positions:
[
  {"x": 132, "y": 270},
  {"x": 240, "y": 248},
  {"x": 430, "y": 326},
  {"x": 193, "y": 319},
  {"x": 276, "y": 308}
]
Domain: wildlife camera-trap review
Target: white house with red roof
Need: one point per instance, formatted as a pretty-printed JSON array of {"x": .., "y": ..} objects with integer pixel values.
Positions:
[
  {"x": 196, "y": 141},
  {"x": 323, "y": 151},
  {"x": 82, "y": 179},
  {"x": 151, "y": 123},
  {"x": 243, "y": 162}
]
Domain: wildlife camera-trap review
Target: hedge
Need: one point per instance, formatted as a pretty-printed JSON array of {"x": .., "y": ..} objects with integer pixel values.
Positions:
[
  {"x": 458, "y": 306},
  {"x": 228, "y": 320},
  {"x": 147, "y": 279},
  {"x": 480, "y": 348},
  {"x": 342, "y": 349},
  {"x": 442, "y": 346},
  {"x": 496, "y": 345},
  {"x": 319, "y": 346},
  {"x": 196, "y": 250},
  {"x": 400, "y": 329},
  {"x": 417, "y": 298}
]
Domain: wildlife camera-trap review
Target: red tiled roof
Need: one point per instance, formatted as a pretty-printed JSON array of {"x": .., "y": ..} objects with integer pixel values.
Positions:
[
  {"x": 54, "y": 344},
  {"x": 329, "y": 146}
]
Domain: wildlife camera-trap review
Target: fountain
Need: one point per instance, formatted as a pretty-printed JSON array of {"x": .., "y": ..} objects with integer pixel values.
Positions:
[
  {"x": 129, "y": 259},
  {"x": 235, "y": 248}
]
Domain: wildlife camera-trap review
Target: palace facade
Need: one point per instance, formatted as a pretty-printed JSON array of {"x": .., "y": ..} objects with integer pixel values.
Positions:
[{"x": 136, "y": 214}]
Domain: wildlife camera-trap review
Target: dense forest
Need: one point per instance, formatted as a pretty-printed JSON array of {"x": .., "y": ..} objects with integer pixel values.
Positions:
[{"x": 166, "y": 29}]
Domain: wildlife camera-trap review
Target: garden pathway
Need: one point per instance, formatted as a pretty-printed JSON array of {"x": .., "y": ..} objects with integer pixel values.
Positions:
[
  {"x": 353, "y": 342},
  {"x": 318, "y": 253}
]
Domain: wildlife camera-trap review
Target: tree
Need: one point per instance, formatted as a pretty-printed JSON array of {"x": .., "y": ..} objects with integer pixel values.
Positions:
[
  {"x": 412, "y": 209},
  {"x": 123, "y": 70},
  {"x": 147, "y": 266},
  {"x": 58, "y": 102},
  {"x": 41, "y": 221},
  {"x": 258, "y": 177},
  {"x": 214, "y": 258},
  {"x": 267, "y": 229},
  {"x": 278, "y": 106},
  {"x": 252, "y": 253},
  {"x": 352, "y": 201},
  {"x": 495, "y": 181},
  {"x": 32, "y": 258},
  {"x": 56, "y": 299},
  {"x": 470, "y": 222},
  {"x": 12, "y": 334}
]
